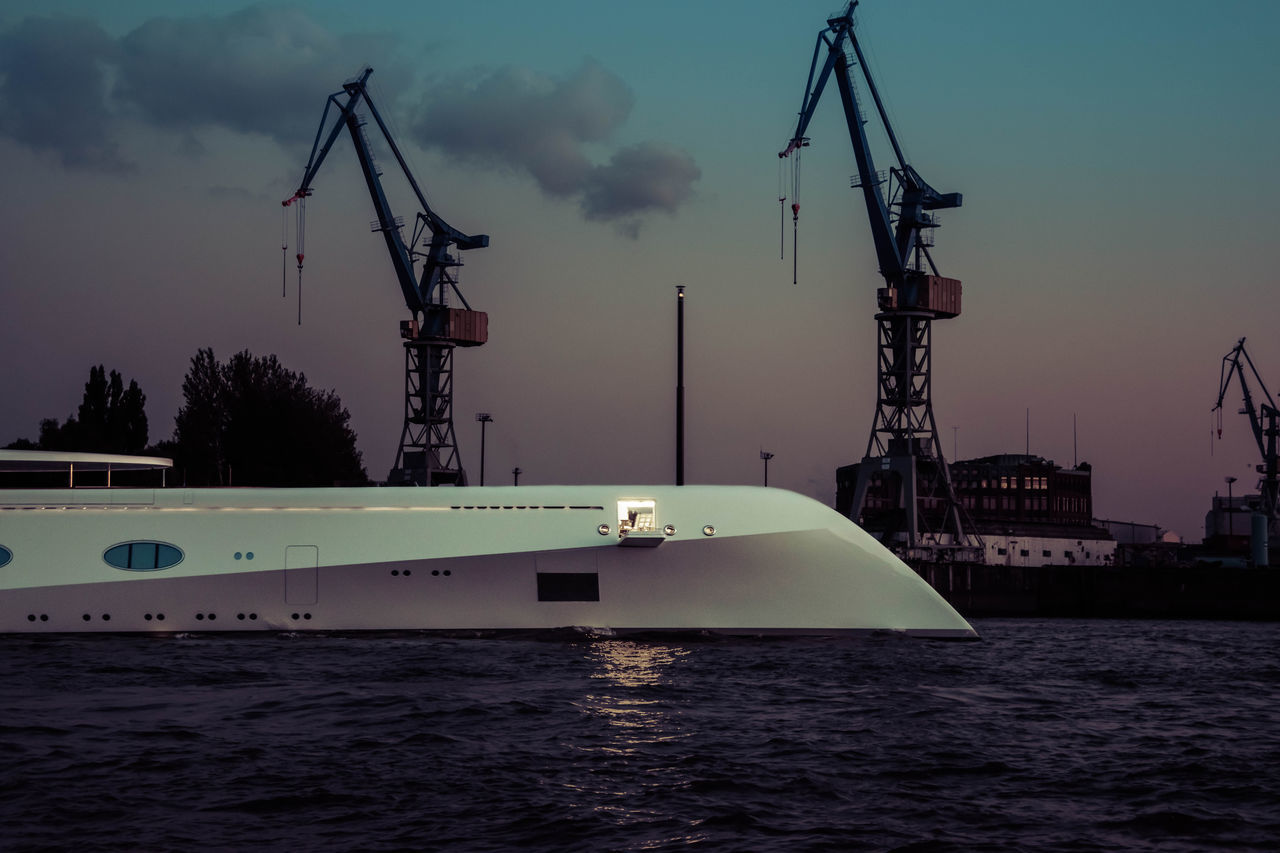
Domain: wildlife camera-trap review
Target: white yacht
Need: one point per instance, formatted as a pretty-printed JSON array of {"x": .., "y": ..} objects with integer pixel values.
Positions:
[{"x": 603, "y": 559}]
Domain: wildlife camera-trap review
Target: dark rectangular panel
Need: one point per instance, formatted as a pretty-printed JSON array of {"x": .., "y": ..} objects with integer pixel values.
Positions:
[{"x": 568, "y": 586}]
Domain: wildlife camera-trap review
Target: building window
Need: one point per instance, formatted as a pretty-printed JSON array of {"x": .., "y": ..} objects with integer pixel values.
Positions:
[
  {"x": 1025, "y": 553},
  {"x": 143, "y": 556},
  {"x": 1002, "y": 551},
  {"x": 1045, "y": 554}
]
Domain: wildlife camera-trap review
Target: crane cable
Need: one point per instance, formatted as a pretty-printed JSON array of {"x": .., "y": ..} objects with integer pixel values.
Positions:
[
  {"x": 302, "y": 226},
  {"x": 795, "y": 214},
  {"x": 782, "y": 215},
  {"x": 284, "y": 249}
]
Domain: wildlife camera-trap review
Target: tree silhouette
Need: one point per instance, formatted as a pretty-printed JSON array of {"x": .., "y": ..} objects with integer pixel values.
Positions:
[
  {"x": 252, "y": 422},
  {"x": 111, "y": 419}
]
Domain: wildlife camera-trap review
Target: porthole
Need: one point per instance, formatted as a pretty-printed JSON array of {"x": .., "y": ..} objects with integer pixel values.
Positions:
[
  {"x": 603, "y": 530},
  {"x": 670, "y": 530},
  {"x": 143, "y": 556},
  {"x": 709, "y": 530},
  {"x": 5, "y": 556}
]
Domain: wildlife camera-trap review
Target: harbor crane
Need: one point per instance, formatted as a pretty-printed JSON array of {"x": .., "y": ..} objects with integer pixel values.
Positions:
[
  {"x": 914, "y": 500},
  {"x": 1263, "y": 417},
  {"x": 428, "y": 453}
]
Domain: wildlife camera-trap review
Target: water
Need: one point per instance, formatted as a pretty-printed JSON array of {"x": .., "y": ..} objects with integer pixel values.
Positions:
[{"x": 1048, "y": 735}]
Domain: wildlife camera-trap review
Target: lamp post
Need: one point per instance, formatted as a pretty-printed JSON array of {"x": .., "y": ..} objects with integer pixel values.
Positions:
[
  {"x": 485, "y": 419},
  {"x": 766, "y": 456},
  {"x": 680, "y": 385},
  {"x": 1230, "y": 512}
]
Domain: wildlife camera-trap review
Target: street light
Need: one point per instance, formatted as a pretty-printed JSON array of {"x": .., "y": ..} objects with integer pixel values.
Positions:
[
  {"x": 766, "y": 456},
  {"x": 485, "y": 419}
]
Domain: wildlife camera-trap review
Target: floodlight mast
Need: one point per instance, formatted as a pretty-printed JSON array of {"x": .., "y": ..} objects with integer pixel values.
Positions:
[
  {"x": 428, "y": 453},
  {"x": 903, "y": 461}
]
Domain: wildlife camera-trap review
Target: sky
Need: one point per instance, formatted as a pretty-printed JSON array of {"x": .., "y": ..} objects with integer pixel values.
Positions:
[{"x": 1115, "y": 160}]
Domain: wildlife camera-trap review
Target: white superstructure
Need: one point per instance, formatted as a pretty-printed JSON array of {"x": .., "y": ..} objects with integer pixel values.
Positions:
[{"x": 724, "y": 559}]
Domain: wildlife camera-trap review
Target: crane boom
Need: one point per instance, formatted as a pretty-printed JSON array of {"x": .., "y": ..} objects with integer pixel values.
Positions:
[
  {"x": 894, "y": 245},
  {"x": 428, "y": 453},
  {"x": 418, "y": 292}
]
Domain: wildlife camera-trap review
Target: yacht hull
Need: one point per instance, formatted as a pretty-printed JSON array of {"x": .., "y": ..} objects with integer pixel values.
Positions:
[{"x": 731, "y": 560}]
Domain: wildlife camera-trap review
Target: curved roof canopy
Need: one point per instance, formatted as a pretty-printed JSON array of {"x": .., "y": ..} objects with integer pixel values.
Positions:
[{"x": 56, "y": 460}]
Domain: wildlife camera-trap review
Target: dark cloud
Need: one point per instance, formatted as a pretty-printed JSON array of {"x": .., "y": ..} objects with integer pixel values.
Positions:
[
  {"x": 258, "y": 70},
  {"x": 54, "y": 88},
  {"x": 523, "y": 121},
  {"x": 64, "y": 84},
  {"x": 640, "y": 178},
  {"x": 518, "y": 119}
]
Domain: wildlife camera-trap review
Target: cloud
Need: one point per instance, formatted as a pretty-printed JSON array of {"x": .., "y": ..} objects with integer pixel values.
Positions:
[
  {"x": 68, "y": 87},
  {"x": 523, "y": 121},
  {"x": 640, "y": 178},
  {"x": 65, "y": 85},
  {"x": 54, "y": 87},
  {"x": 258, "y": 70}
]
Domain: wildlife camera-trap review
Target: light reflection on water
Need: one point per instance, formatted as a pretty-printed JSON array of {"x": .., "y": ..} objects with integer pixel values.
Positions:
[{"x": 627, "y": 745}]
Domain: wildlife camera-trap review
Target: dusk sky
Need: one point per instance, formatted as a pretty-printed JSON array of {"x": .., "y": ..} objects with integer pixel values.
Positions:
[{"x": 1115, "y": 242}]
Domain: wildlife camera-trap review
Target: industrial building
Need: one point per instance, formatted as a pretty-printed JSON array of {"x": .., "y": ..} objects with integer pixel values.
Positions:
[{"x": 1025, "y": 510}]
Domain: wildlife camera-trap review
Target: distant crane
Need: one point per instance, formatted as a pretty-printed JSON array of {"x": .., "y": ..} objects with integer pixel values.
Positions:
[
  {"x": 904, "y": 458},
  {"x": 428, "y": 453},
  {"x": 1263, "y": 419}
]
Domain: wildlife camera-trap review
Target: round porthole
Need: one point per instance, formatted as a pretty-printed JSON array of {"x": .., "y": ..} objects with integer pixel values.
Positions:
[
  {"x": 709, "y": 530},
  {"x": 603, "y": 530},
  {"x": 670, "y": 530}
]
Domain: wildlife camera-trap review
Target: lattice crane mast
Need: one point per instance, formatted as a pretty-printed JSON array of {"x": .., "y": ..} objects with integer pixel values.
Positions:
[
  {"x": 903, "y": 462},
  {"x": 1263, "y": 420},
  {"x": 428, "y": 453}
]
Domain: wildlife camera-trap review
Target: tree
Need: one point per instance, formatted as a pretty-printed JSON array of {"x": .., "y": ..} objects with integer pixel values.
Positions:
[
  {"x": 252, "y": 422},
  {"x": 112, "y": 419}
]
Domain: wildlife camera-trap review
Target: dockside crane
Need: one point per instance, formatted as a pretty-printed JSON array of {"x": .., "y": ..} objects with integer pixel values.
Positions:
[
  {"x": 916, "y": 503},
  {"x": 428, "y": 453},
  {"x": 1263, "y": 420}
]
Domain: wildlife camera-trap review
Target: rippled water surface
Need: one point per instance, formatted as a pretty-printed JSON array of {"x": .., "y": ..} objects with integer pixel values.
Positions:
[{"x": 1047, "y": 735}]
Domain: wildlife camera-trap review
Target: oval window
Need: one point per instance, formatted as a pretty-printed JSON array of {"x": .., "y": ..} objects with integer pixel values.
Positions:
[
  {"x": 5, "y": 556},
  {"x": 143, "y": 556}
]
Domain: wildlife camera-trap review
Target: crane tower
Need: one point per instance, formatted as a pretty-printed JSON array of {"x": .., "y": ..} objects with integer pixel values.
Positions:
[
  {"x": 1264, "y": 421},
  {"x": 902, "y": 487},
  {"x": 428, "y": 453}
]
